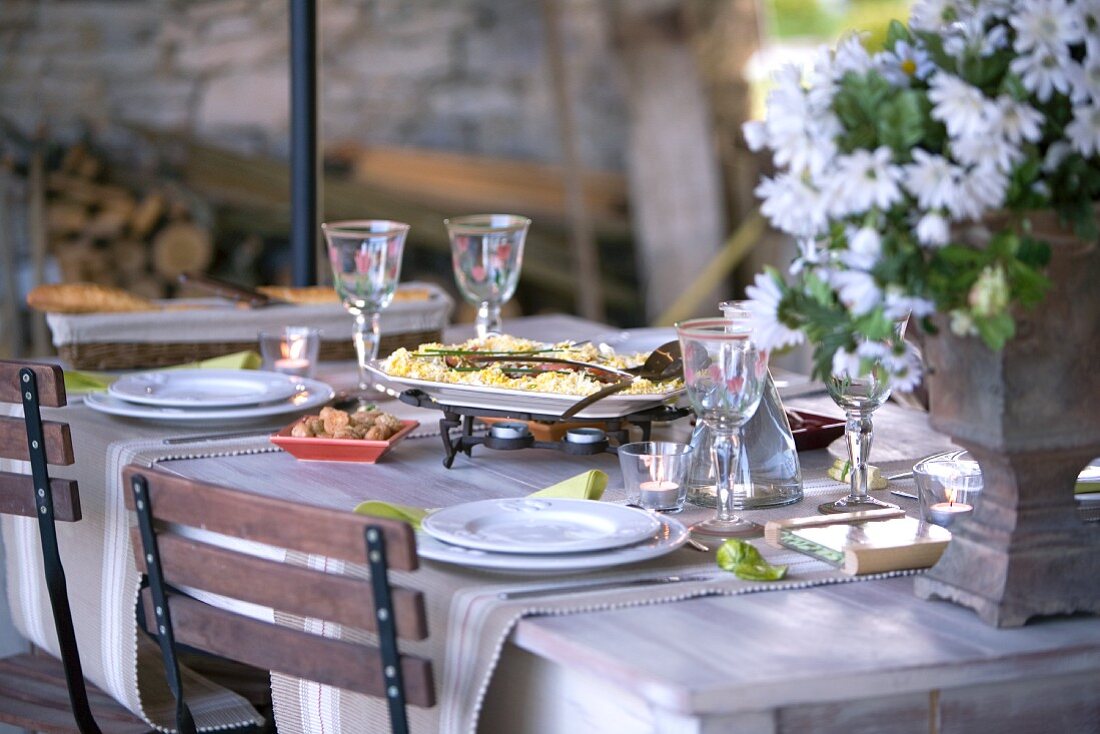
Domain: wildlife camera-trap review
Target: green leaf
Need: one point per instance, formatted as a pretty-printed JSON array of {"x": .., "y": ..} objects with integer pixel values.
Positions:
[
  {"x": 900, "y": 123},
  {"x": 995, "y": 331},
  {"x": 743, "y": 560},
  {"x": 895, "y": 32}
]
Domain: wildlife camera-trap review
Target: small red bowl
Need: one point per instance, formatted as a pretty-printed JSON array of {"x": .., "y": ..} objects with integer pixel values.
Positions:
[{"x": 338, "y": 449}]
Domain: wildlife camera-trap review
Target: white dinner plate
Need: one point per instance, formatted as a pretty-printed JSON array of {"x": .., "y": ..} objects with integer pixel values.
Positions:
[
  {"x": 536, "y": 525},
  {"x": 526, "y": 401},
  {"x": 670, "y": 536},
  {"x": 311, "y": 394},
  {"x": 199, "y": 388}
]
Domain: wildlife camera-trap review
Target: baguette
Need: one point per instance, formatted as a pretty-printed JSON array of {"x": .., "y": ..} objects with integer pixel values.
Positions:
[{"x": 86, "y": 298}]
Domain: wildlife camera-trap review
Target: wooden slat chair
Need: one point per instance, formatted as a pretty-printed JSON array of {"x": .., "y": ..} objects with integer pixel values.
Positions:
[
  {"x": 36, "y": 691},
  {"x": 164, "y": 502}
]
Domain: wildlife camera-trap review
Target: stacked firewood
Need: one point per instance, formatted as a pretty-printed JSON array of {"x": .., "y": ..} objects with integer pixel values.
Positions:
[{"x": 106, "y": 233}]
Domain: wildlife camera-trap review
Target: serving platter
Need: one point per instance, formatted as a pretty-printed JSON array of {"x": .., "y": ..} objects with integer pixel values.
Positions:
[
  {"x": 203, "y": 388},
  {"x": 311, "y": 394},
  {"x": 541, "y": 403},
  {"x": 670, "y": 535},
  {"x": 540, "y": 525}
]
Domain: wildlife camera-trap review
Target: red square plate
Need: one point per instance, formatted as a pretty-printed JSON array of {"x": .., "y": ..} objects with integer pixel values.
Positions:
[{"x": 338, "y": 449}]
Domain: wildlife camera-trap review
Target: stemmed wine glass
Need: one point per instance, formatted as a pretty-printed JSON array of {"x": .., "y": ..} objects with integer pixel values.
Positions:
[
  {"x": 724, "y": 372},
  {"x": 487, "y": 254},
  {"x": 860, "y": 397},
  {"x": 366, "y": 263}
]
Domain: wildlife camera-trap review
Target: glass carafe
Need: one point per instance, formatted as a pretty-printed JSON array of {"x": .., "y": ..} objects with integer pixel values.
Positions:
[{"x": 769, "y": 468}]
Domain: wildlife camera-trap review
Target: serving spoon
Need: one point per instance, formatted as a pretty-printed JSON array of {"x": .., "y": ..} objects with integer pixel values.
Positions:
[{"x": 663, "y": 363}]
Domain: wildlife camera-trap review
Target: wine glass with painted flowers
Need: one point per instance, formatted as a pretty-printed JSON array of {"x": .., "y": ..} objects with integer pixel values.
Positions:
[
  {"x": 724, "y": 372},
  {"x": 366, "y": 264},
  {"x": 487, "y": 255}
]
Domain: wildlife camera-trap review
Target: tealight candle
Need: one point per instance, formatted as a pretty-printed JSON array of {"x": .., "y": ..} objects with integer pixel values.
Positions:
[
  {"x": 291, "y": 351},
  {"x": 298, "y": 366},
  {"x": 946, "y": 513},
  {"x": 657, "y": 495},
  {"x": 509, "y": 429}
]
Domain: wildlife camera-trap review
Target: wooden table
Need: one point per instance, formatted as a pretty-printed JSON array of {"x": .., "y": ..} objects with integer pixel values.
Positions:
[{"x": 861, "y": 657}]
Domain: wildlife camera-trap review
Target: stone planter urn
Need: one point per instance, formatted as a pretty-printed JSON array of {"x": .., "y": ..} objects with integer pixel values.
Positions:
[{"x": 1030, "y": 415}]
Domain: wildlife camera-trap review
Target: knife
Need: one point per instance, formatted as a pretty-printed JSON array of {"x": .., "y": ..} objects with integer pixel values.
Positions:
[
  {"x": 248, "y": 296},
  {"x": 598, "y": 586}
]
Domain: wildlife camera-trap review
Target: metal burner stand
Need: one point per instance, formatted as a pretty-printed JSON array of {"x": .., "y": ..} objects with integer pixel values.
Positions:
[{"x": 462, "y": 417}]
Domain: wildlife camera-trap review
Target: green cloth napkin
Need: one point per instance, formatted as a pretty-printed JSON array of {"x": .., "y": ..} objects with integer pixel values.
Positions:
[
  {"x": 586, "y": 486},
  {"x": 80, "y": 382}
]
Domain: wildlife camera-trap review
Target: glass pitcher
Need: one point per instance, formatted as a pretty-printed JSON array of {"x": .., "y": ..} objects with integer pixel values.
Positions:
[{"x": 769, "y": 467}]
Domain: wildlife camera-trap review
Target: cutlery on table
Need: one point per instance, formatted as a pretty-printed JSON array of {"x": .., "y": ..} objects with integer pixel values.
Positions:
[
  {"x": 599, "y": 586},
  {"x": 690, "y": 542},
  {"x": 663, "y": 363}
]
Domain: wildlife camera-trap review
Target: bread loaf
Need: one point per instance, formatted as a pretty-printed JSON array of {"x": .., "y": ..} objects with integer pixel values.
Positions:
[{"x": 85, "y": 298}]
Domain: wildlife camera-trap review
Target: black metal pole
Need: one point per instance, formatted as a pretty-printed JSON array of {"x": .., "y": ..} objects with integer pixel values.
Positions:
[{"x": 304, "y": 209}]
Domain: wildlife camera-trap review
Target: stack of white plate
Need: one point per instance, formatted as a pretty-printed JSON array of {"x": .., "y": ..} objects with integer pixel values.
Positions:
[
  {"x": 211, "y": 396},
  {"x": 537, "y": 535}
]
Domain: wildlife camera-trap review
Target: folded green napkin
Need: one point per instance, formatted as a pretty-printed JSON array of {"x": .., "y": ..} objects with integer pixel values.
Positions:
[
  {"x": 80, "y": 382},
  {"x": 586, "y": 486}
]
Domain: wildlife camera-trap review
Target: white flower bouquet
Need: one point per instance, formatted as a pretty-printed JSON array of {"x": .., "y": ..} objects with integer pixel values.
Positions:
[{"x": 977, "y": 107}]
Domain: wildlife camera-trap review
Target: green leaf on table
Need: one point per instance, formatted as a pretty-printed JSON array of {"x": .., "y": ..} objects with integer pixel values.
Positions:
[{"x": 741, "y": 558}]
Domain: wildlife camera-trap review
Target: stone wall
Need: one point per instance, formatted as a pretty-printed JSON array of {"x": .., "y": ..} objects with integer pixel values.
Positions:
[{"x": 465, "y": 75}]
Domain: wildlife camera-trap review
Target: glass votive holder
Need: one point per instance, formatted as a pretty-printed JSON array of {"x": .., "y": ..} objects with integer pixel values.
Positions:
[
  {"x": 948, "y": 487},
  {"x": 655, "y": 474},
  {"x": 292, "y": 350}
]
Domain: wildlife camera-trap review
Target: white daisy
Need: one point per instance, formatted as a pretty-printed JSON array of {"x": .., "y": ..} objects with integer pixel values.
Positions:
[
  {"x": 856, "y": 289},
  {"x": 846, "y": 364},
  {"x": 970, "y": 38},
  {"x": 898, "y": 304},
  {"x": 981, "y": 188},
  {"x": 1085, "y": 76},
  {"x": 863, "y": 179},
  {"x": 975, "y": 149},
  {"x": 764, "y": 298},
  {"x": 933, "y": 230},
  {"x": 792, "y": 205},
  {"x": 864, "y": 249},
  {"x": 904, "y": 63},
  {"x": 809, "y": 255},
  {"x": 1042, "y": 72},
  {"x": 1056, "y": 154},
  {"x": 1046, "y": 25},
  {"x": 958, "y": 105},
  {"x": 851, "y": 56},
  {"x": 932, "y": 179},
  {"x": 933, "y": 15},
  {"x": 1016, "y": 121},
  {"x": 1084, "y": 131},
  {"x": 756, "y": 135},
  {"x": 905, "y": 371}
]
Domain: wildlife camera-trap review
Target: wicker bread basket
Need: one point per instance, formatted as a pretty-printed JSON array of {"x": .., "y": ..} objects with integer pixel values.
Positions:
[{"x": 210, "y": 328}]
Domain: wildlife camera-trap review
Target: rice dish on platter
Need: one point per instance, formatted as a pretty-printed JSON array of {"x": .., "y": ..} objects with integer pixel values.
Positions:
[{"x": 458, "y": 364}]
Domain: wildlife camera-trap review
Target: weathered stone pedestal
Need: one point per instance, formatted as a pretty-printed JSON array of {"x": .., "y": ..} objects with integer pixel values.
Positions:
[{"x": 1030, "y": 415}]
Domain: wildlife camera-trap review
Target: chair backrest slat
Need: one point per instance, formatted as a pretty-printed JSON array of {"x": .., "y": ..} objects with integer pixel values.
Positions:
[
  {"x": 304, "y": 592},
  {"x": 271, "y": 521},
  {"x": 17, "y": 497},
  {"x": 50, "y": 379},
  {"x": 285, "y": 650},
  {"x": 13, "y": 441}
]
